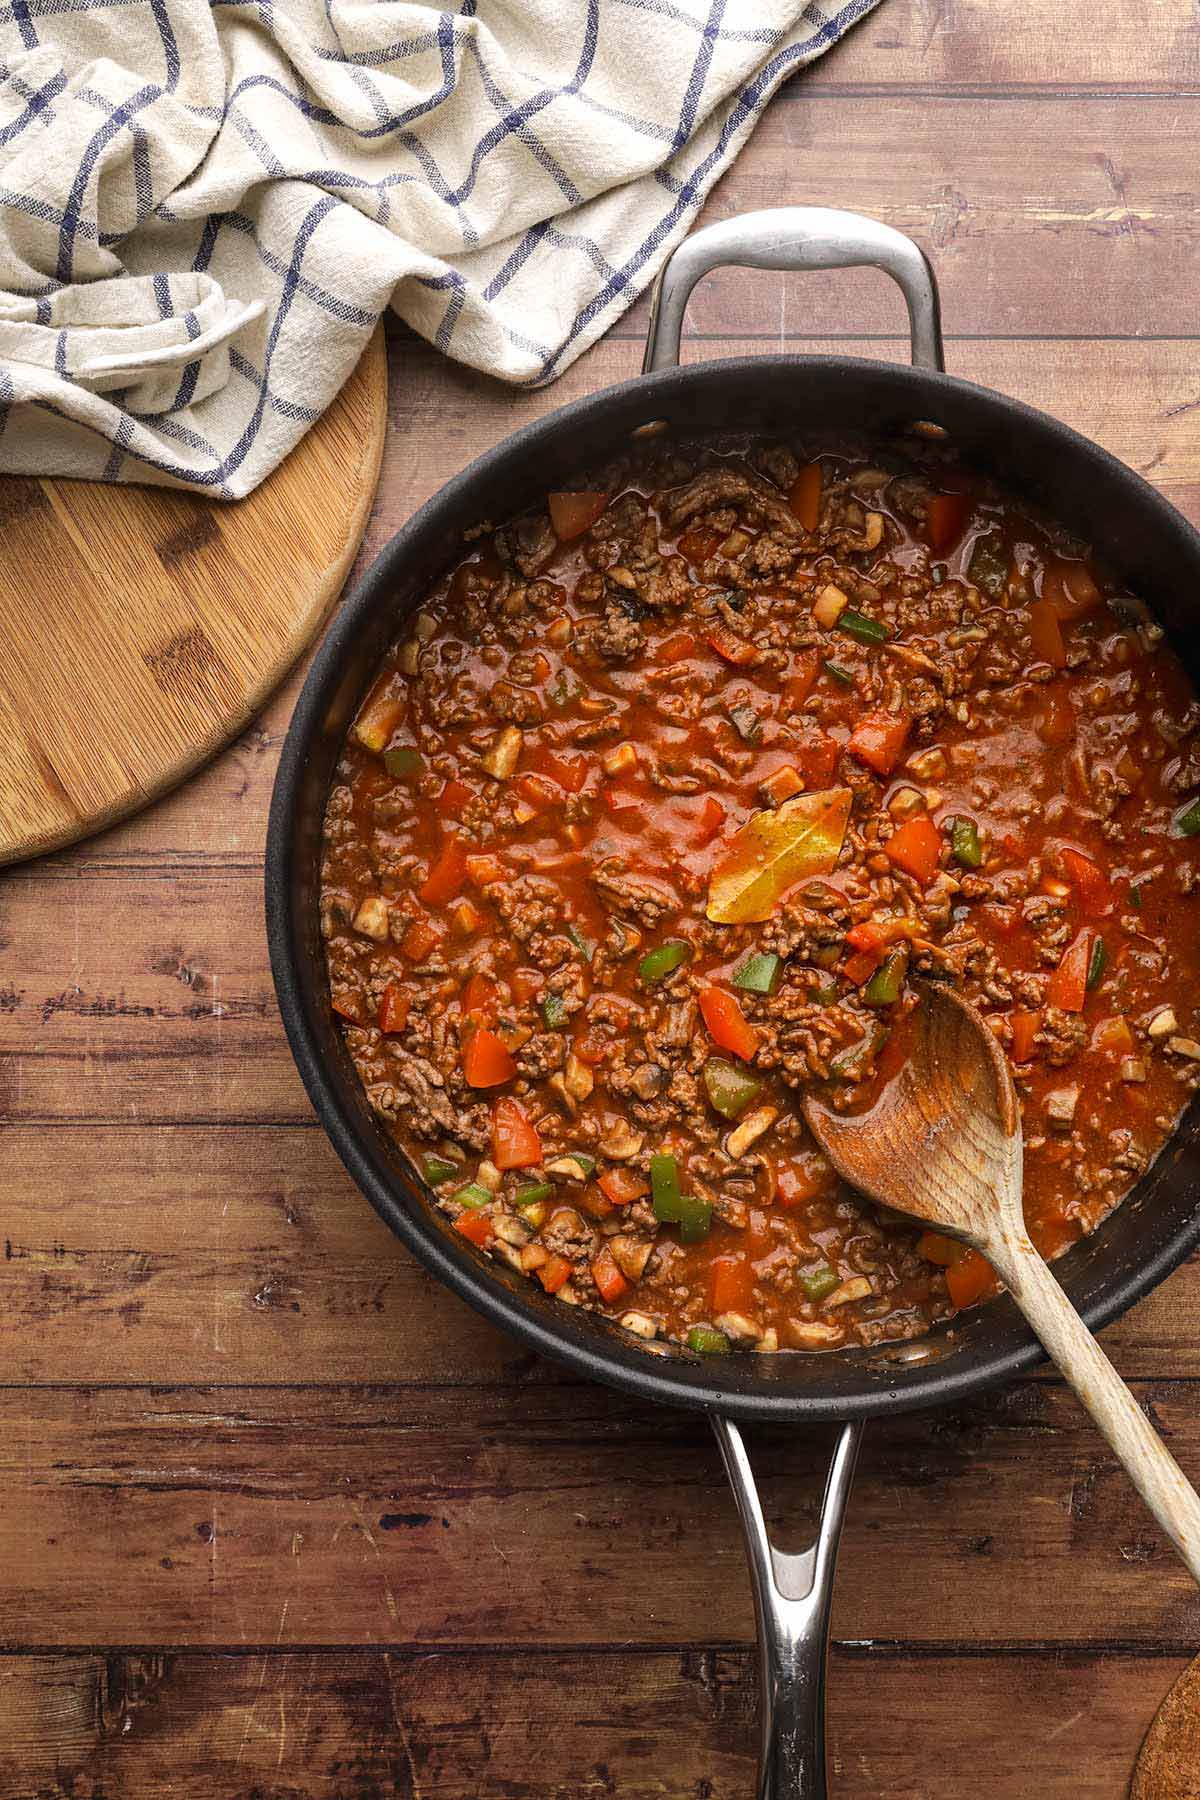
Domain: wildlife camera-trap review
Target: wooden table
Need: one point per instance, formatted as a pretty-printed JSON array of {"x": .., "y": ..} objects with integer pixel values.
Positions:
[{"x": 279, "y": 1517}]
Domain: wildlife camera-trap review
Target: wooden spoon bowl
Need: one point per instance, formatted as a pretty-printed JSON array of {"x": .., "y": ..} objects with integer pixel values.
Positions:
[{"x": 942, "y": 1145}]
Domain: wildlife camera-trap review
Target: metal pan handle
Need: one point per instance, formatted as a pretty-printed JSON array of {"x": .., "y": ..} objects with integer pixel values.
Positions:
[
  {"x": 796, "y": 237},
  {"x": 792, "y": 1597}
]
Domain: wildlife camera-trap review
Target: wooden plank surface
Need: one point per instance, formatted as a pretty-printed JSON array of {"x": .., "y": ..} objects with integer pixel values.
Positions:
[
  {"x": 637, "y": 1724},
  {"x": 531, "y": 1511},
  {"x": 278, "y": 1516}
]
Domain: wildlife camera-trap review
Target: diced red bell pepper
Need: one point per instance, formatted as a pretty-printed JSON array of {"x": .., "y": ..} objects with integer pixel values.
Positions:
[
  {"x": 1089, "y": 882},
  {"x": 607, "y": 1276},
  {"x": 712, "y": 817},
  {"x": 804, "y": 1177},
  {"x": 625, "y": 807},
  {"x": 1113, "y": 1036},
  {"x": 486, "y": 1062},
  {"x": 1025, "y": 1026},
  {"x": 969, "y": 1279},
  {"x": 569, "y": 772},
  {"x": 515, "y": 1142},
  {"x": 477, "y": 1227},
  {"x": 1070, "y": 588},
  {"x": 483, "y": 870},
  {"x": 805, "y": 496},
  {"x": 540, "y": 793},
  {"x": 447, "y": 874},
  {"x": 878, "y": 934},
  {"x": 479, "y": 998},
  {"x": 731, "y": 1284},
  {"x": 623, "y": 1186},
  {"x": 554, "y": 1272},
  {"x": 879, "y": 739},
  {"x": 818, "y": 761},
  {"x": 799, "y": 684},
  {"x": 1067, "y": 988},
  {"x": 1057, "y": 723},
  {"x": 1045, "y": 634},
  {"x": 916, "y": 848},
  {"x": 727, "y": 1025},
  {"x": 947, "y": 520},
  {"x": 734, "y": 649},
  {"x": 346, "y": 1006},
  {"x": 572, "y": 514},
  {"x": 418, "y": 940},
  {"x": 676, "y": 648},
  {"x": 394, "y": 1008},
  {"x": 860, "y": 967},
  {"x": 938, "y": 1249},
  {"x": 697, "y": 546},
  {"x": 453, "y": 799}
]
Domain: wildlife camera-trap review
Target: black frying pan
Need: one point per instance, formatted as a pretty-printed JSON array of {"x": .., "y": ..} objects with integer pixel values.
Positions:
[{"x": 1133, "y": 529}]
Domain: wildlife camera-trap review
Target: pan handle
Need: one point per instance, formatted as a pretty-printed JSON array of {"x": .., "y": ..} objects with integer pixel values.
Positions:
[
  {"x": 796, "y": 237},
  {"x": 792, "y": 1596}
]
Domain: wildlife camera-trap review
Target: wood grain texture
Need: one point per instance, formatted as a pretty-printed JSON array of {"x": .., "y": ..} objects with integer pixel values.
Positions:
[
  {"x": 234, "y": 1413},
  {"x": 144, "y": 627},
  {"x": 531, "y": 1510},
  {"x": 675, "y": 1723}
]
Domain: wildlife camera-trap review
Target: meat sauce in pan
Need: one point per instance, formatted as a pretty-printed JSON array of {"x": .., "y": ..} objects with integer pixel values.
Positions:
[{"x": 666, "y": 794}]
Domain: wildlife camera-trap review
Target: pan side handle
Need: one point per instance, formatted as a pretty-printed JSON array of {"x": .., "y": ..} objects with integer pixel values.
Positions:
[
  {"x": 796, "y": 237},
  {"x": 792, "y": 1598}
]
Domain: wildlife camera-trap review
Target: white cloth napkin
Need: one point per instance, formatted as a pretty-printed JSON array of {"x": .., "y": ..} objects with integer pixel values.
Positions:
[{"x": 204, "y": 210}]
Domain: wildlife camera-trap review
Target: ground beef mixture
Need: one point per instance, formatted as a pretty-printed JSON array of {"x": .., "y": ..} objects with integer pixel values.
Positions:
[{"x": 667, "y": 793}]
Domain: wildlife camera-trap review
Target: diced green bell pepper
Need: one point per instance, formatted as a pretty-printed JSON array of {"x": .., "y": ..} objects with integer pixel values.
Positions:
[
  {"x": 730, "y": 1089},
  {"x": 759, "y": 974},
  {"x": 708, "y": 1341},
  {"x": 839, "y": 672},
  {"x": 988, "y": 567},
  {"x": 664, "y": 960},
  {"x": 665, "y": 1197},
  {"x": 554, "y": 1012},
  {"x": 819, "y": 1282},
  {"x": 1187, "y": 822},
  {"x": 964, "y": 843},
  {"x": 858, "y": 625},
  {"x": 695, "y": 1219},
  {"x": 437, "y": 1168},
  {"x": 887, "y": 981},
  {"x": 851, "y": 1063},
  {"x": 585, "y": 946},
  {"x": 534, "y": 1194},
  {"x": 474, "y": 1194},
  {"x": 1098, "y": 961},
  {"x": 403, "y": 762}
]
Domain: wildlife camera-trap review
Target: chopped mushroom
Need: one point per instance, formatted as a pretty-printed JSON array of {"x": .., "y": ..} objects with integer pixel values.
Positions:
[
  {"x": 1061, "y": 1104},
  {"x": 500, "y": 757},
  {"x": 750, "y": 1130},
  {"x": 1162, "y": 1025},
  {"x": 640, "y": 1323},
  {"x": 371, "y": 919}
]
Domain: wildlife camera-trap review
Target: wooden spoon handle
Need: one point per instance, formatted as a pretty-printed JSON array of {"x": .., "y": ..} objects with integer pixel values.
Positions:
[{"x": 1150, "y": 1466}]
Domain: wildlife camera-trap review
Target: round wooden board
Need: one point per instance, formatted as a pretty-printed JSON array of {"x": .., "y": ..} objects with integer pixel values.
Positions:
[
  {"x": 140, "y": 628},
  {"x": 1168, "y": 1766}
]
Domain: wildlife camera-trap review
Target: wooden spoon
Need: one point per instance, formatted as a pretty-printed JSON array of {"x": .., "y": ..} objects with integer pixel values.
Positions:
[{"x": 943, "y": 1145}]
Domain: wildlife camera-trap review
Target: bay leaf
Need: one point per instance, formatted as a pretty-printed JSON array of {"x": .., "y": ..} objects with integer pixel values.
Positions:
[{"x": 774, "y": 850}]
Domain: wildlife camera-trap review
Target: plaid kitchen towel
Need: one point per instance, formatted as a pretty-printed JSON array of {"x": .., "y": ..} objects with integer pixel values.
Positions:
[{"x": 205, "y": 208}]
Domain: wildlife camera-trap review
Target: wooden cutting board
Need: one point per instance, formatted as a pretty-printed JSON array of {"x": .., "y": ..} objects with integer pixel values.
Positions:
[
  {"x": 1168, "y": 1767},
  {"x": 141, "y": 628}
]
